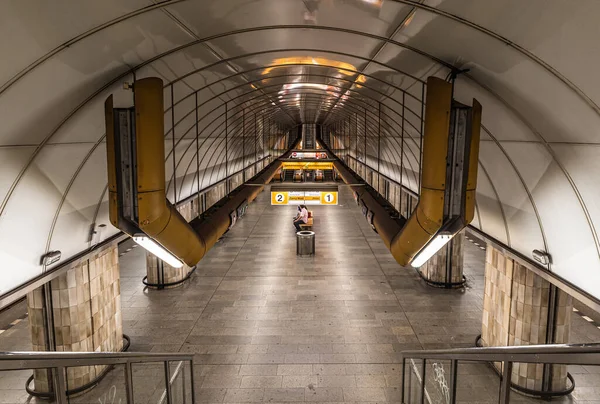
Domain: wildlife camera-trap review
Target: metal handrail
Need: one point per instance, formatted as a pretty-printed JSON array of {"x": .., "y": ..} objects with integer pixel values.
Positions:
[
  {"x": 38, "y": 360},
  {"x": 60, "y": 361},
  {"x": 556, "y": 354},
  {"x": 563, "y": 354}
]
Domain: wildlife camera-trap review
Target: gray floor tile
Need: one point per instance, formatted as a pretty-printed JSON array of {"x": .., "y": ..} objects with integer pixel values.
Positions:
[{"x": 265, "y": 325}]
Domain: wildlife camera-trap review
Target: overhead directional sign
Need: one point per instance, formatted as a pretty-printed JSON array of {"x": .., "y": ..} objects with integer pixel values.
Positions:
[
  {"x": 304, "y": 197},
  {"x": 308, "y": 155}
]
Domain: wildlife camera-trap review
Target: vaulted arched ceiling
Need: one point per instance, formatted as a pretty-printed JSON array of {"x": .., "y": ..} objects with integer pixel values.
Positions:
[{"x": 239, "y": 73}]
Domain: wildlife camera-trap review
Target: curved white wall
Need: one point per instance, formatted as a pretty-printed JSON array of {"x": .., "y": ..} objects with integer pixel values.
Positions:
[{"x": 532, "y": 66}]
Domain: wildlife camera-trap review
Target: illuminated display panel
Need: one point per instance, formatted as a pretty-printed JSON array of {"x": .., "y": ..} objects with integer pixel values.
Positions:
[
  {"x": 308, "y": 155},
  {"x": 283, "y": 198}
]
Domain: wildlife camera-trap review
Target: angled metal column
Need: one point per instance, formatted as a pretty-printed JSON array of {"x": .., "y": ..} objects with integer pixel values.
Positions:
[{"x": 227, "y": 147}]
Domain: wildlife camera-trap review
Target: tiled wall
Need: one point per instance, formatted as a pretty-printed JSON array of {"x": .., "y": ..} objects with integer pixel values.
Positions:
[
  {"x": 169, "y": 274},
  {"x": 515, "y": 312},
  {"x": 234, "y": 182},
  {"x": 250, "y": 172},
  {"x": 215, "y": 194},
  {"x": 434, "y": 270},
  {"x": 86, "y": 304}
]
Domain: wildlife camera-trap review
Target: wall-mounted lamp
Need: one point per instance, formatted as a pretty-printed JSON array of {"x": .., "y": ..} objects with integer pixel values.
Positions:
[
  {"x": 50, "y": 258},
  {"x": 157, "y": 250},
  {"x": 542, "y": 257},
  {"x": 434, "y": 246}
]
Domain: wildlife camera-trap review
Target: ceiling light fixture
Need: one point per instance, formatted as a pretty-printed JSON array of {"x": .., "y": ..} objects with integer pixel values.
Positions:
[
  {"x": 344, "y": 68},
  {"x": 295, "y": 86},
  {"x": 157, "y": 250},
  {"x": 374, "y": 2}
]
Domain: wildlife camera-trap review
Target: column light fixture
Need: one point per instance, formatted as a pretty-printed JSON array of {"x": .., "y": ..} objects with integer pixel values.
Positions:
[{"x": 431, "y": 248}]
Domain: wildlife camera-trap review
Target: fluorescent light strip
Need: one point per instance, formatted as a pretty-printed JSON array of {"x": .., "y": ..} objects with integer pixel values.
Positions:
[
  {"x": 295, "y": 86},
  {"x": 434, "y": 246},
  {"x": 157, "y": 250},
  {"x": 586, "y": 318}
]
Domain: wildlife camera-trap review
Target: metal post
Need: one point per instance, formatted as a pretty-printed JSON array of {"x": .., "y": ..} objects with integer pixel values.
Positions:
[
  {"x": 244, "y": 144},
  {"x": 183, "y": 383},
  {"x": 49, "y": 326},
  {"x": 344, "y": 142},
  {"x": 410, "y": 372},
  {"x": 193, "y": 388},
  {"x": 343, "y": 132},
  {"x": 60, "y": 386},
  {"x": 349, "y": 139},
  {"x": 356, "y": 135},
  {"x": 379, "y": 149},
  {"x": 255, "y": 144},
  {"x": 197, "y": 153},
  {"x": 402, "y": 145},
  {"x": 365, "y": 162},
  {"x": 550, "y": 335},
  {"x": 129, "y": 382},
  {"x": 173, "y": 150},
  {"x": 159, "y": 272},
  {"x": 505, "y": 386},
  {"x": 403, "y": 377},
  {"x": 449, "y": 250},
  {"x": 346, "y": 137},
  {"x": 340, "y": 137},
  {"x": 226, "y": 148},
  {"x": 422, "y": 134},
  {"x": 168, "y": 382},
  {"x": 334, "y": 137},
  {"x": 453, "y": 379},
  {"x": 423, "y": 382}
]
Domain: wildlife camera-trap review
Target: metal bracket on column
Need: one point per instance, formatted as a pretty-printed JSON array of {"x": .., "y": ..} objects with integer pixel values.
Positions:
[{"x": 550, "y": 335}]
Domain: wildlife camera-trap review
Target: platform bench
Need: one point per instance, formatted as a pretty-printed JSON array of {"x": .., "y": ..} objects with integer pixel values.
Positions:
[{"x": 309, "y": 225}]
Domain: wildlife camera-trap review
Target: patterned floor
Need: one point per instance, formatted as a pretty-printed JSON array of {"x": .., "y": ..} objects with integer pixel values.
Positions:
[{"x": 267, "y": 326}]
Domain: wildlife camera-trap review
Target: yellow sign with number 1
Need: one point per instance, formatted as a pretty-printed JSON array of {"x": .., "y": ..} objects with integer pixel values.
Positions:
[{"x": 329, "y": 198}]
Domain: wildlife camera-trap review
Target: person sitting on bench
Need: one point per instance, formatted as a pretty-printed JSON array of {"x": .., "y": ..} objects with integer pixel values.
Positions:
[
  {"x": 302, "y": 218},
  {"x": 298, "y": 213}
]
